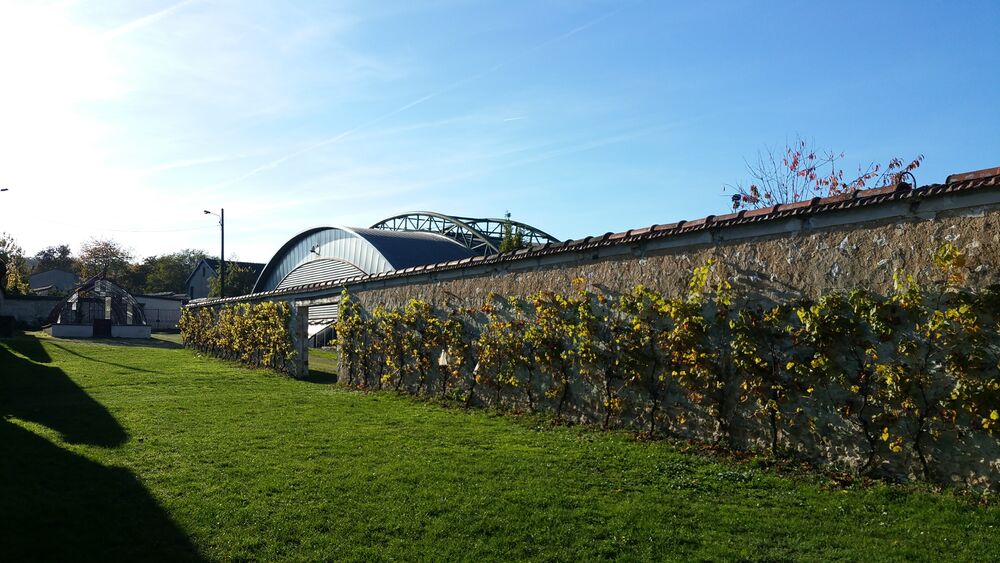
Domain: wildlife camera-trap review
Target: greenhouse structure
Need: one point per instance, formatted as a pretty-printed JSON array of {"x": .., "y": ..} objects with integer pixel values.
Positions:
[{"x": 98, "y": 308}]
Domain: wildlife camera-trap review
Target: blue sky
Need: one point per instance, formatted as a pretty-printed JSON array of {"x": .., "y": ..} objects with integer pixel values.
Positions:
[{"x": 125, "y": 119}]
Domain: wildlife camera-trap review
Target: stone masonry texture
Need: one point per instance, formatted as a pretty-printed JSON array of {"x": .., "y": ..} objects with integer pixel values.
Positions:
[{"x": 805, "y": 264}]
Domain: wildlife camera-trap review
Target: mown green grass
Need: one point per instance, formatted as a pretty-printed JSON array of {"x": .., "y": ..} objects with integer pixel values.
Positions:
[{"x": 133, "y": 452}]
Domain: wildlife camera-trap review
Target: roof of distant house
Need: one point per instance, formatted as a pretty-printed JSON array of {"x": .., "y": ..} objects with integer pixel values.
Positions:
[
  {"x": 164, "y": 295},
  {"x": 213, "y": 264},
  {"x": 54, "y": 272},
  {"x": 255, "y": 267}
]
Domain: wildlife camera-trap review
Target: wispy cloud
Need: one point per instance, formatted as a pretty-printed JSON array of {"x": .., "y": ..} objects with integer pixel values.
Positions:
[
  {"x": 273, "y": 164},
  {"x": 144, "y": 21}
]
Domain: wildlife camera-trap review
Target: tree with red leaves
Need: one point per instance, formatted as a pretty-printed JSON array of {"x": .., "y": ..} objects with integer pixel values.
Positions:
[{"x": 801, "y": 172}]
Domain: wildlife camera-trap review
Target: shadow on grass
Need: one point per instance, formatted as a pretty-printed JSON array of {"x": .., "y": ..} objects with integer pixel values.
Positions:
[
  {"x": 320, "y": 376},
  {"x": 86, "y": 357},
  {"x": 55, "y": 504},
  {"x": 29, "y": 347},
  {"x": 44, "y": 394},
  {"x": 152, "y": 342},
  {"x": 323, "y": 367}
]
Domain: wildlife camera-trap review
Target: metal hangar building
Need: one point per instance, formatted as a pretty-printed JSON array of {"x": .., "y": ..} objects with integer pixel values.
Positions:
[{"x": 323, "y": 254}]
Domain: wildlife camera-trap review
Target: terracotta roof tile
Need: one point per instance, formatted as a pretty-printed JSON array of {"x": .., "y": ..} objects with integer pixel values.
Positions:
[
  {"x": 759, "y": 212},
  {"x": 798, "y": 204},
  {"x": 902, "y": 186},
  {"x": 830, "y": 200},
  {"x": 699, "y": 222},
  {"x": 974, "y": 175}
]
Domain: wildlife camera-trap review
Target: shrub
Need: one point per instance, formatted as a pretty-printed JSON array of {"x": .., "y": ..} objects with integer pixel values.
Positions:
[{"x": 255, "y": 334}]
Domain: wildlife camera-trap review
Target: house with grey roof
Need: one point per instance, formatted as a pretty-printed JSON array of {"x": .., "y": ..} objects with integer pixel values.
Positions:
[
  {"x": 52, "y": 282},
  {"x": 198, "y": 283}
]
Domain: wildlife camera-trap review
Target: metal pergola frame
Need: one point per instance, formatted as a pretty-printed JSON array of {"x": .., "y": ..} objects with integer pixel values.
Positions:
[{"x": 481, "y": 235}]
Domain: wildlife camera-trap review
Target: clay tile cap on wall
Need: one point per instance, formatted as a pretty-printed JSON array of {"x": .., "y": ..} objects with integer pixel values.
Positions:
[
  {"x": 835, "y": 199},
  {"x": 727, "y": 217},
  {"x": 797, "y": 205},
  {"x": 760, "y": 212},
  {"x": 665, "y": 227},
  {"x": 974, "y": 175},
  {"x": 902, "y": 186},
  {"x": 695, "y": 223}
]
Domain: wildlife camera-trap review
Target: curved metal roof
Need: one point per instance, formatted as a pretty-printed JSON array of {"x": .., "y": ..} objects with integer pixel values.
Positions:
[{"x": 325, "y": 253}]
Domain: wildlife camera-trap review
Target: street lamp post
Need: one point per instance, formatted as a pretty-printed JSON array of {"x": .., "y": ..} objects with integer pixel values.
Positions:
[{"x": 222, "y": 251}]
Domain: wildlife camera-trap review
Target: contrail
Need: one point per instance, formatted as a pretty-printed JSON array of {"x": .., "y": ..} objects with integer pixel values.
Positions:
[
  {"x": 146, "y": 20},
  {"x": 340, "y": 136}
]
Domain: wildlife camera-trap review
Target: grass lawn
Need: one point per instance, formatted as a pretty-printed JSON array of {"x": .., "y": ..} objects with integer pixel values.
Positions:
[{"x": 127, "y": 452}]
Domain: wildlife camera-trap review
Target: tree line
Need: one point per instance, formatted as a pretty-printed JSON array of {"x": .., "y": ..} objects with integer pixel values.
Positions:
[{"x": 152, "y": 274}]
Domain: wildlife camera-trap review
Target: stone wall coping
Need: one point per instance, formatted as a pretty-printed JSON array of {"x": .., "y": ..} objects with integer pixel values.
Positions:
[{"x": 816, "y": 213}]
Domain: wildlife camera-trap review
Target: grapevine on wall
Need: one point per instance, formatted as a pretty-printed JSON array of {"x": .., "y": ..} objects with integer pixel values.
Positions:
[
  {"x": 255, "y": 334},
  {"x": 893, "y": 376}
]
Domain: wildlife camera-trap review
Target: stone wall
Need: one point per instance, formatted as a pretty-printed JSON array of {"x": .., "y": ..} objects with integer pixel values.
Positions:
[
  {"x": 29, "y": 312},
  {"x": 778, "y": 255},
  {"x": 777, "y": 267},
  {"x": 780, "y": 267}
]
